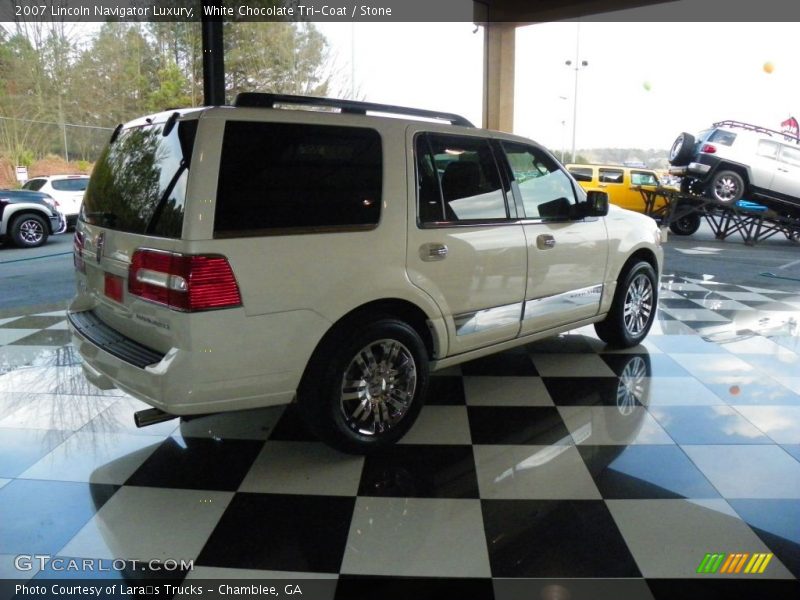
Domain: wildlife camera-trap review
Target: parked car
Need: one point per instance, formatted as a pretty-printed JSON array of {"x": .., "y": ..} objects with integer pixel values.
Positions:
[
  {"x": 622, "y": 183},
  {"x": 28, "y": 218},
  {"x": 67, "y": 190},
  {"x": 265, "y": 252},
  {"x": 733, "y": 160}
]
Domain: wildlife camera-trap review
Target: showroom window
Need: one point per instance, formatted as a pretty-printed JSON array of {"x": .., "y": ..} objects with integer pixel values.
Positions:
[{"x": 285, "y": 177}]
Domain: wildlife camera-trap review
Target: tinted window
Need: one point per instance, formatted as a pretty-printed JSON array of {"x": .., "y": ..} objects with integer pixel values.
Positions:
[
  {"x": 461, "y": 172},
  {"x": 546, "y": 190},
  {"x": 287, "y": 176},
  {"x": 70, "y": 185},
  {"x": 610, "y": 175},
  {"x": 138, "y": 184},
  {"x": 643, "y": 178},
  {"x": 581, "y": 173},
  {"x": 722, "y": 137},
  {"x": 34, "y": 184}
]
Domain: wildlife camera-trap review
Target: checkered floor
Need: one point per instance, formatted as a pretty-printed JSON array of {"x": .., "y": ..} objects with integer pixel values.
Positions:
[{"x": 559, "y": 464}]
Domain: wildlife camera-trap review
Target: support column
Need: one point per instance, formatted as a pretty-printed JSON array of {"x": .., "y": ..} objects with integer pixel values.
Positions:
[
  {"x": 498, "y": 76},
  {"x": 213, "y": 59}
]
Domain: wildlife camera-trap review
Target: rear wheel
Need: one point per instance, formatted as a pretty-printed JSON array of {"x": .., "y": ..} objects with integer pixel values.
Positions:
[
  {"x": 29, "y": 231},
  {"x": 685, "y": 225},
  {"x": 726, "y": 187},
  {"x": 633, "y": 310},
  {"x": 365, "y": 385}
]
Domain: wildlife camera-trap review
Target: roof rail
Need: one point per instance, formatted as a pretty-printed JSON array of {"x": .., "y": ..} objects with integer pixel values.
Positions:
[
  {"x": 263, "y": 100},
  {"x": 758, "y": 129}
]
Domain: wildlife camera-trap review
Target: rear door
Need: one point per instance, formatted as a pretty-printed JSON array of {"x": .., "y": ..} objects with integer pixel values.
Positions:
[
  {"x": 787, "y": 174},
  {"x": 466, "y": 247},
  {"x": 135, "y": 199}
]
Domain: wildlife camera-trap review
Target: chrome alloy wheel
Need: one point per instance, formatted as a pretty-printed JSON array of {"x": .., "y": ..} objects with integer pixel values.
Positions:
[
  {"x": 630, "y": 389},
  {"x": 638, "y": 305},
  {"x": 726, "y": 189},
  {"x": 378, "y": 387},
  {"x": 31, "y": 231}
]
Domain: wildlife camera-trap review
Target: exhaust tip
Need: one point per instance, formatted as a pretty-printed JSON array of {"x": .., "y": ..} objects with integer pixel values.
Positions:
[{"x": 151, "y": 416}]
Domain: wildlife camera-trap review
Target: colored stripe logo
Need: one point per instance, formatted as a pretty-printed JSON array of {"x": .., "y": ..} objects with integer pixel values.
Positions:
[{"x": 734, "y": 563}]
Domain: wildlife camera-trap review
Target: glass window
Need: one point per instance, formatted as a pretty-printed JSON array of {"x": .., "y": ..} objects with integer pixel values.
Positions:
[
  {"x": 611, "y": 175},
  {"x": 581, "y": 173},
  {"x": 288, "y": 176},
  {"x": 546, "y": 190},
  {"x": 34, "y": 184},
  {"x": 643, "y": 178},
  {"x": 790, "y": 156},
  {"x": 77, "y": 184},
  {"x": 138, "y": 184},
  {"x": 722, "y": 137},
  {"x": 461, "y": 174},
  {"x": 767, "y": 149}
]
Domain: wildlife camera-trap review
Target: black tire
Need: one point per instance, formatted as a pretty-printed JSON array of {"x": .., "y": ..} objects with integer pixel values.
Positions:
[
  {"x": 682, "y": 150},
  {"x": 357, "y": 418},
  {"x": 29, "y": 230},
  {"x": 726, "y": 187},
  {"x": 685, "y": 225},
  {"x": 638, "y": 286}
]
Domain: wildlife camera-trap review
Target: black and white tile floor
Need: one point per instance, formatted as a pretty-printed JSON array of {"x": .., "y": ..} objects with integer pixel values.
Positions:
[{"x": 610, "y": 474}]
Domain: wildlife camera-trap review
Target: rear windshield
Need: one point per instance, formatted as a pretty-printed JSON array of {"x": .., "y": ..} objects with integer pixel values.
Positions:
[
  {"x": 722, "y": 137},
  {"x": 70, "y": 185},
  {"x": 139, "y": 183}
]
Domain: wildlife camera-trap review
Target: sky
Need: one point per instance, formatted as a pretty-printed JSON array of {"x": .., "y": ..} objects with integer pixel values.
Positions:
[{"x": 645, "y": 82}]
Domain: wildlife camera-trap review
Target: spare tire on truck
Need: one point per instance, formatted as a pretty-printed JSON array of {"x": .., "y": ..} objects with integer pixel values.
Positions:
[{"x": 682, "y": 150}]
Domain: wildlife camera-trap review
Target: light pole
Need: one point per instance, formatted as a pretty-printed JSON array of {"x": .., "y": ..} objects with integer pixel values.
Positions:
[{"x": 579, "y": 64}]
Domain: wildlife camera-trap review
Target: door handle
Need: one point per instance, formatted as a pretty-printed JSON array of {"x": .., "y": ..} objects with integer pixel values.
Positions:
[
  {"x": 432, "y": 252},
  {"x": 783, "y": 170},
  {"x": 545, "y": 241}
]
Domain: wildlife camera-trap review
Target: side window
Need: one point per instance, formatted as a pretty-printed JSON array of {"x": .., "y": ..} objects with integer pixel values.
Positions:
[
  {"x": 581, "y": 173},
  {"x": 546, "y": 190},
  {"x": 285, "y": 176},
  {"x": 790, "y": 156},
  {"x": 34, "y": 184},
  {"x": 457, "y": 180},
  {"x": 643, "y": 178},
  {"x": 611, "y": 175},
  {"x": 767, "y": 149}
]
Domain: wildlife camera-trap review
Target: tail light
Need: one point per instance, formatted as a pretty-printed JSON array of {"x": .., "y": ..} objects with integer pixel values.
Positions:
[
  {"x": 77, "y": 252},
  {"x": 183, "y": 282},
  {"x": 708, "y": 149}
]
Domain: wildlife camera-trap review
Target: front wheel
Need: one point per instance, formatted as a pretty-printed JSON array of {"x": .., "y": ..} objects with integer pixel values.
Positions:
[
  {"x": 633, "y": 310},
  {"x": 29, "y": 231},
  {"x": 364, "y": 386}
]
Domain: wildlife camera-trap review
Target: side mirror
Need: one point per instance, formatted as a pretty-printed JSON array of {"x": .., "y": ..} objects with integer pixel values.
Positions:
[{"x": 596, "y": 203}]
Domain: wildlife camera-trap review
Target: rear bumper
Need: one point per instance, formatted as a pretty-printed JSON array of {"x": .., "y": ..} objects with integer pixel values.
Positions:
[{"x": 178, "y": 382}]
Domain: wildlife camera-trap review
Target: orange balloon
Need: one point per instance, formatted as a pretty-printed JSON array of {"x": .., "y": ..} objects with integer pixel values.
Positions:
[
  {"x": 768, "y": 67},
  {"x": 734, "y": 390}
]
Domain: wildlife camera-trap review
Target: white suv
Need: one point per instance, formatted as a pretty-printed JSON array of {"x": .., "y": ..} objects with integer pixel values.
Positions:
[
  {"x": 236, "y": 257},
  {"x": 66, "y": 190}
]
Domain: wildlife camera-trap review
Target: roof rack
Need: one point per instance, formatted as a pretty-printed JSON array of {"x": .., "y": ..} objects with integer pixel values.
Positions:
[
  {"x": 757, "y": 129},
  {"x": 262, "y": 100}
]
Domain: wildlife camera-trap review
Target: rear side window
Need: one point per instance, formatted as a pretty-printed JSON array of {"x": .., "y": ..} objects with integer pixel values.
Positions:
[
  {"x": 610, "y": 175},
  {"x": 77, "y": 184},
  {"x": 34, "y": 184},
  {"x": 138, "y": 184},
  {"x": 790, "y": 156},
  {"x": 581, "y": 173},
  {"x": 458, "y": 180},
  {"x": 719, "y": 136},
  {"x": 285, "y": 177}
]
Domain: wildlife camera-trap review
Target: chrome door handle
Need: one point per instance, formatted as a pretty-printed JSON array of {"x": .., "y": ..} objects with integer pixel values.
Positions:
[
  {"x": 783, "y": 170},
  {"x": 545, "y": 241},
  {"x": 431, "y": 252}
]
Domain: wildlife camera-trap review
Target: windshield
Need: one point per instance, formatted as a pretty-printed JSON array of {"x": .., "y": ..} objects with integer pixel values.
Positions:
[{"x": 139, "y": 183}]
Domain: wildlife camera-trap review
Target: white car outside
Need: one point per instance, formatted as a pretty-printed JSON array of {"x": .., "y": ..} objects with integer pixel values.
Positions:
[{"x": 66, "y": 190}]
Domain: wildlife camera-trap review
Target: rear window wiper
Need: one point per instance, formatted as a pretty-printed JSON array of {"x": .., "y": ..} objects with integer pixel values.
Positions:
[{"x": 151, "y": 224}]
